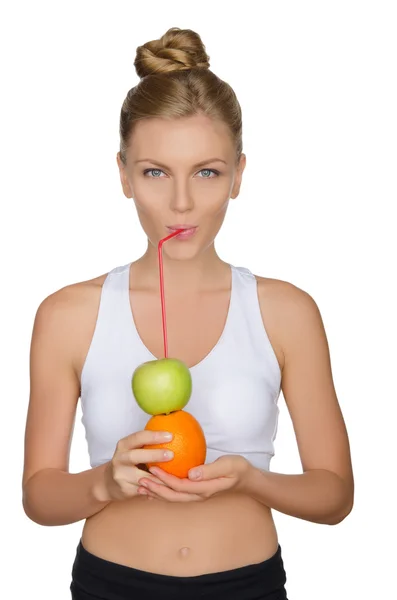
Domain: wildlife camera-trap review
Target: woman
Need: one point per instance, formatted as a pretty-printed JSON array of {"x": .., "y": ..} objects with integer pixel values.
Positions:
[{"x": 244, "y": 338}]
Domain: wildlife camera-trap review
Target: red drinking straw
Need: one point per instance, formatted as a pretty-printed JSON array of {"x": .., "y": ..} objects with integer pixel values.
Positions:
[{"x": 160, "y": 253}]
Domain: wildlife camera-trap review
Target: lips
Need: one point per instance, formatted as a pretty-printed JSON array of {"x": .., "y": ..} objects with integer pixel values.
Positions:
[
  {"x": 175, "y": 227},
  {"x": 187, "y": 231}
]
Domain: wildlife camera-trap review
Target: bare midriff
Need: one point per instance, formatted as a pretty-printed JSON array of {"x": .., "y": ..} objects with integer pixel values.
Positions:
[{"x": 225, "y": 532}]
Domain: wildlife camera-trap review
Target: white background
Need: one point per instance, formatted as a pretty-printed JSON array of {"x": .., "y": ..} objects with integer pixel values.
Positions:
[{"x": 317, "y": 86}]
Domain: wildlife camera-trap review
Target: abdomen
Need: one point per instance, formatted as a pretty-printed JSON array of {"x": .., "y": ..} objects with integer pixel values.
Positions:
[{"x": 183, "y": 539}]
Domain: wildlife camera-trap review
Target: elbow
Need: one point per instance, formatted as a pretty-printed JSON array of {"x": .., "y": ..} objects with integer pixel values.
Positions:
[
  {"x": 345, "y": 504},
  {"x": 32, "y": 510},
  {"x": 341, "y": 515},
  {"x": 39, "y": 519},
  {"x": 32, "y": 502},
  {"x": 31, "y": 513}
]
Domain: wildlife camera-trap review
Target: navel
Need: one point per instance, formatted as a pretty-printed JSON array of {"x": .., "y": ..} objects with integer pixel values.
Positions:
[{"x": 184, "y": 551}]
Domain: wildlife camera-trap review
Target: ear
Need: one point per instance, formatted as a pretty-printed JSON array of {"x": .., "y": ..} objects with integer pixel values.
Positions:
[
  {"x": 239, "y": 175},
  {"x": 123, "y": 177}
]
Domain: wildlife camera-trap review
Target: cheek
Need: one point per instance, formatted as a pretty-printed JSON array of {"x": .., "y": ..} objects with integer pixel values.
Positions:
[
  {"x": 213, "y": 219},
  {"x": 218, "y": 209},
  {"x": 149, "y": 206},
  {"x": 143, "y": 208},
  {"x": 148, "y": 191},
  {"x": 145, "y": 196}
]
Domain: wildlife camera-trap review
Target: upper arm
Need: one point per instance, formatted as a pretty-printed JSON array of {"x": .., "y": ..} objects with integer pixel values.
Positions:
[
  {"x": 308, "y": 387},
  {"x": 54, "y": 386}
]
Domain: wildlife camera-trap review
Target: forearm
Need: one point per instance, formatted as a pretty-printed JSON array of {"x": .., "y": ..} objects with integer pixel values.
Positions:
[
  {"x": 319, "y": 496},
  {"x": 54, "y": 497}
]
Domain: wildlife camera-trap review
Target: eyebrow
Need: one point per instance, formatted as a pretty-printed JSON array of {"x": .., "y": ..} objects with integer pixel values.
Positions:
[{"x": 200, "y": 164}]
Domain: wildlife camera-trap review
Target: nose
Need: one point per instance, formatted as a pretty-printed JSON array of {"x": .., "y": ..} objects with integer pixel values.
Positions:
[{"x": 181, "y": 199}]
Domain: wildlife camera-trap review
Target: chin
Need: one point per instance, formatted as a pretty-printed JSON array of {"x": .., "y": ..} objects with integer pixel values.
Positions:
[
  {"x": 182, "y": 254},
  {"x": 181, "y": 250}
]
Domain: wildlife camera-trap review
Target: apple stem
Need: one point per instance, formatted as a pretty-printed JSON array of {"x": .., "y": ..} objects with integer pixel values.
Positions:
[{"x": 161, "y": 267}]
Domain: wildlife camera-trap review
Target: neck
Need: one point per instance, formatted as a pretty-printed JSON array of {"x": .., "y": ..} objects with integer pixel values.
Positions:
[{"x": 203, "y": 272}]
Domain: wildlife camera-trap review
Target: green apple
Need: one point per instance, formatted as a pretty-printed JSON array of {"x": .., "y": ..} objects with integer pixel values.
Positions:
[{"x": 162, "y": 386}]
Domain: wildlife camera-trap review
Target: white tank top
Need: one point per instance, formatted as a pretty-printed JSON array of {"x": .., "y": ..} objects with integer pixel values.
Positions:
[{"x": 235, "y": 388}]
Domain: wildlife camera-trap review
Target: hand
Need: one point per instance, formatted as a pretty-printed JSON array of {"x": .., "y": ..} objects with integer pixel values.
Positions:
[
  {"x": 121, "y": 475},
  {"x": 225, "y": 473}
]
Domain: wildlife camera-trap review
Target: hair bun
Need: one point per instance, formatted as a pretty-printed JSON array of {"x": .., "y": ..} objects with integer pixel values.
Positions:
[{"x": 177, "y": 50}]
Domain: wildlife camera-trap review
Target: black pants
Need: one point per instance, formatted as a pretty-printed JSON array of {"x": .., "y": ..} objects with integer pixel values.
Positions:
[{"x": 96, "y": 578}]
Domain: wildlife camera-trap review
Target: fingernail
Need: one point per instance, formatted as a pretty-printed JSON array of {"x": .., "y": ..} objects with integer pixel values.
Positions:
[
  {"x": 168, "y": 454},
  {"x": 165, "y": 435},
  {"x": 195, "y": 474}
]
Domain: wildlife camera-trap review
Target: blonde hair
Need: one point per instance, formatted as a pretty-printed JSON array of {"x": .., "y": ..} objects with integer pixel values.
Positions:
[{"x": 176, "y": 82}]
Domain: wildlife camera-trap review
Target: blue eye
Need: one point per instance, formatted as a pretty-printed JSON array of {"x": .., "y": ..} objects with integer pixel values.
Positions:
[
  {"x": 212, "y": 170},
  {"x": 160, "y": 171},
  {"x": 148, "y": 170}
]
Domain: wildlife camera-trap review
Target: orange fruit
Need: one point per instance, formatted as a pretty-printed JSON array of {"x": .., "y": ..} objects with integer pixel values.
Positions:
[{"x": 188, "y": 444}]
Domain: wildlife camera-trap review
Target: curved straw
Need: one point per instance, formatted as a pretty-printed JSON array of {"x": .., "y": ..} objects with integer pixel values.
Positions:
[{"x": 160, "y": 254}]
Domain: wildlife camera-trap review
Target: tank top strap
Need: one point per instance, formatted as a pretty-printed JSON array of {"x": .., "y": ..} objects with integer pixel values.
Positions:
[
  {"x": 118, "y": 279},
  {"x": 250, "y": 314},
  {"x": 116, "y": 290},
  {"x": 113, "y": 295},
  {"x": 246, "y": 290},
  {"x": 111, "y": 320}
]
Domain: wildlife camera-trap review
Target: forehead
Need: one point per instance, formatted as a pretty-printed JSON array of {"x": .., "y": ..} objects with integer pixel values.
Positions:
[{"x": 185, "y": 137}]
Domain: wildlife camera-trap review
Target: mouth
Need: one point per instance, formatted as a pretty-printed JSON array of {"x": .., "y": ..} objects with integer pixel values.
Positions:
[
  {"x": 175, "y": 227},
  {"x": 188, "y": 231}
]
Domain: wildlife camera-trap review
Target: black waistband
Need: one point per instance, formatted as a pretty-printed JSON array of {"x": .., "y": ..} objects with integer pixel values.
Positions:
[{"x": 93, "y": 574}]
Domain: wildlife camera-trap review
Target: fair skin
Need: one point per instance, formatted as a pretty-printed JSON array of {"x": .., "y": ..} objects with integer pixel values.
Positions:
[
  {"x": 324, "y": 492},
  {"x": 181, "y": 192}
]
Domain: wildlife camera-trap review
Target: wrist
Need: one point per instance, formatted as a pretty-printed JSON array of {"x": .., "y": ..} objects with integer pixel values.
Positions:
[
  {"x": 245, "y": 485},
  {"x": 250, "y": 479},
  {"x": 99, "y": 489}
]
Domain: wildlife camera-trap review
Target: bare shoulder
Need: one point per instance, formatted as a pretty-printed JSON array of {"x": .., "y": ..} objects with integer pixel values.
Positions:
[
  {"x": 288, "y": 302},
  {"x": 282, "y": 291},
  {"x": 71, "y": 312},
  {"x": 70, "y": 299},
  {"x": 285, "y": 308}
]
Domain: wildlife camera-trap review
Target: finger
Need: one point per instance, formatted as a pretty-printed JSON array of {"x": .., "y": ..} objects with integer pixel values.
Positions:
[
  {"x": 145, "y": 455},
  {"x": 171, "y": 495},
  {"x": 145, "y": 492},
  {"x": 175, "y": 483},
  {"x": 167, "y": 478},
  {"x": 140, "y": 474},
  {"x": 178, "y": 484},
  {"x": 168, "y": 493},
  {"x": 221, "y": 467},
  {"x": 141, "y": 438},
  {"x": 201, "y": 488}
]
